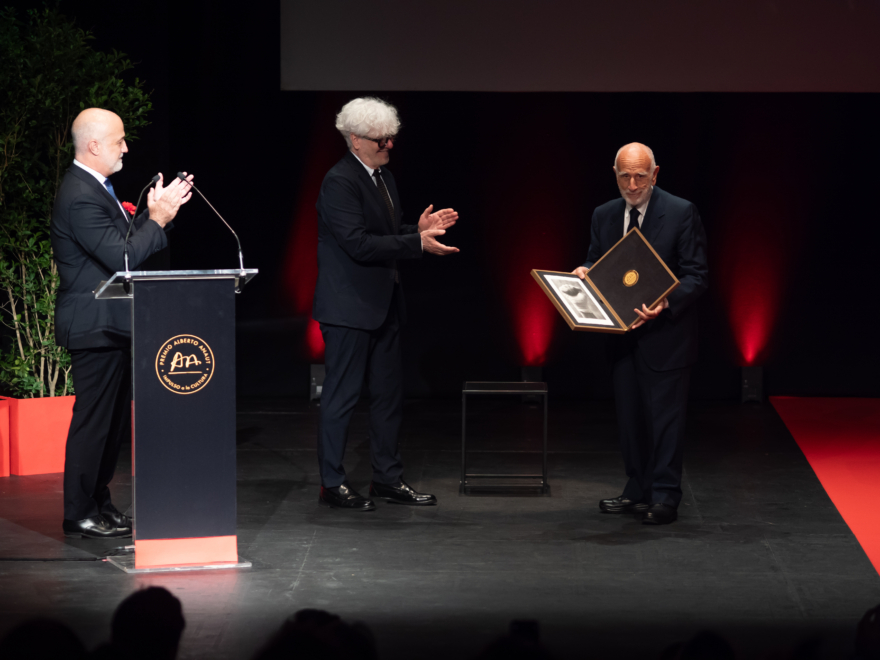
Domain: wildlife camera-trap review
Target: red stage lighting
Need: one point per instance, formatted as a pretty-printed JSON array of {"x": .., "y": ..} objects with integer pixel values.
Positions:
[
  {"x": 314, "y": 342},
  {"x": 301, "y": 270},
  {"x": 753, "y": 292},
  {"x": 755, "y": 258},
  {"x": 534, "y": 319},
  {"x": 301, "y": 261},
  {"x": 533, "y": 242},
  {"x": 758, "y": 230}
]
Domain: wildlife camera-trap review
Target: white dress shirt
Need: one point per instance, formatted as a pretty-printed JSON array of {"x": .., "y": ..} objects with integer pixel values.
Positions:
[
  {"x": 100, "y": 177},
  {"x": 370, "y": 171},
  {"x": 641, "y": 208}
]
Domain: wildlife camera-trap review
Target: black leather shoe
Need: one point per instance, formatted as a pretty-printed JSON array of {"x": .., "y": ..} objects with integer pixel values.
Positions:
[
  {"x": 118, "y": 519},
  {"x": 344, "y": 497},
  {"x": 401, "y": 493},
  {"x": 96, "y": 527},
  {"x": 660, "y": 514},
  {"x": 622, "y": 505}
]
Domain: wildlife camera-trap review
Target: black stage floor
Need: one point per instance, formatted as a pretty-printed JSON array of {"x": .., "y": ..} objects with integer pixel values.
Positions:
[{"x": 759, "y": 553}]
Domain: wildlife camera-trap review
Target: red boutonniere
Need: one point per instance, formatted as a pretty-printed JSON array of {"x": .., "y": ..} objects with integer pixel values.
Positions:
[{"x": 128, "y": 206}]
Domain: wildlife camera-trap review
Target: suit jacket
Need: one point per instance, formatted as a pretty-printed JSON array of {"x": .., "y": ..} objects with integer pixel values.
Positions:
[
  {"x": 673, "y": 227},
  {"x": 88, "y": 234},
  {"x": 358, "y": 245}
]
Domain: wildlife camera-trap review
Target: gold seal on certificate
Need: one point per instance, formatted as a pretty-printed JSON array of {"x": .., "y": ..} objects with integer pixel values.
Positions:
[{"x": 630, "y": 277}]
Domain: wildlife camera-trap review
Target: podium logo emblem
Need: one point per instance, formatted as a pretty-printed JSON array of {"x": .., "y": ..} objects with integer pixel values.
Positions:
[
  {"x": 185, "y": 364},
  {"x": 630, "y": 278}
]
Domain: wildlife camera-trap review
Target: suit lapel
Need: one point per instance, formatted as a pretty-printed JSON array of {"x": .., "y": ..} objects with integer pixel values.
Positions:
[
  {"x": 653, "y": 222},
  {"x": 111, "y": 205},
  {"x": 364, "y": 178},
  {"x": 615, "y": 226}
]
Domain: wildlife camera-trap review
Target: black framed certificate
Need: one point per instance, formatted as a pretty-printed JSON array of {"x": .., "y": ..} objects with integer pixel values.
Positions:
[{"x": 629, "y": 275}]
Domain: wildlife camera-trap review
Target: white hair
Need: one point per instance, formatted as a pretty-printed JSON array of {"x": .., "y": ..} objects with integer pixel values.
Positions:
[
  {"x": 645, "y": 147},
  {"x": 367, "y": 117}
]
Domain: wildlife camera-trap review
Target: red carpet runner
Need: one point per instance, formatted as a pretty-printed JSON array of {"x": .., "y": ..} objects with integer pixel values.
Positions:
[{"x": 841, "y": 440}]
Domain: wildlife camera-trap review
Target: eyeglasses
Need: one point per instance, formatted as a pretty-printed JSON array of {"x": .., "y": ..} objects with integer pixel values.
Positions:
[{"x": 380, "y": 141}]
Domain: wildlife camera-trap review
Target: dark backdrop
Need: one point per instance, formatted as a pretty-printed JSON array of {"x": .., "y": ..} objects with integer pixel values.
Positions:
[
  {"x": 581, "y": 46},
  {"x": 785, "y": 183}
]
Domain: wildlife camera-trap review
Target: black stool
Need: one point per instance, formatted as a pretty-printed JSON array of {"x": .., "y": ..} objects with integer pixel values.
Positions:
[{"x": 473, "y": 388}]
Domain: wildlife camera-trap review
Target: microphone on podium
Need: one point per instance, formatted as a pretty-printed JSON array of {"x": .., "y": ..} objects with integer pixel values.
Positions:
[
  {"x": 127, "y": 284},
  {"x": 240, "y": 255}
]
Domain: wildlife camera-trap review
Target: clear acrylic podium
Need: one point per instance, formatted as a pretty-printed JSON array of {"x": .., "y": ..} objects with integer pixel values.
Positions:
[{"x": 183, "y": 416}]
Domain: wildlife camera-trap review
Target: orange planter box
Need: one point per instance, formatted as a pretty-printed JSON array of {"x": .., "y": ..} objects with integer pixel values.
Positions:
[
  {"x": 38, "y": 434},
  {"x": 4, "y": 437}
]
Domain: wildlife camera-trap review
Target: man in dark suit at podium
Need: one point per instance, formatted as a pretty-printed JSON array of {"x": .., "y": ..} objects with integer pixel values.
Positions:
[
  {"x": 88, "y": 232},
  {"x": 359, "y": 302},
  {"x": 651, "y": 363}
]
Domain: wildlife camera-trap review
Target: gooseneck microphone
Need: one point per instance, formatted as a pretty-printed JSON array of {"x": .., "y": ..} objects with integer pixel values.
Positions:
[
  {"x": 240, "y": 255},
  {"x": 127, "y": 284}
]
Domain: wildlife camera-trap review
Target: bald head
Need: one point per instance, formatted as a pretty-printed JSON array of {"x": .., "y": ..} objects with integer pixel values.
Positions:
[
  {"x": 635, "y": 152},
  {"x": 99, "y": 140},
  {"x": 636, "y": 172}
]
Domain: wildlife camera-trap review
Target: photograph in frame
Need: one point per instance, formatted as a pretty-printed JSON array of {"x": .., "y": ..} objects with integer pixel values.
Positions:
[{"x": 578, "y": 300}]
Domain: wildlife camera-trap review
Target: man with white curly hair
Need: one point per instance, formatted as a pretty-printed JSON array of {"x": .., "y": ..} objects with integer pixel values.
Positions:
[{"x": 359, "y": 302}]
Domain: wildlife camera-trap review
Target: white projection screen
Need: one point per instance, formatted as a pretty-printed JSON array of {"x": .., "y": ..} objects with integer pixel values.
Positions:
[{"x": 586, "y": 46}]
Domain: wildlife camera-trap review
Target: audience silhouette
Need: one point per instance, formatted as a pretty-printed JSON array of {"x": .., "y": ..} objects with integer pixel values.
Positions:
[
  {"x": 41, "y": 639},
  {"x": 149, "y": 624},
  {"x": 318, "y": 635},
  {"x": 523, "y": 642},
  {"x": 868, "y": 635},
  {"x": 146, "y": 626},
  {"x": 707, "y": 645}
]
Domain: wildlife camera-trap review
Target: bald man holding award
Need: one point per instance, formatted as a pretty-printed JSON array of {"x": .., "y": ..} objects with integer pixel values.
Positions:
[{"x": 652, "y": 360}]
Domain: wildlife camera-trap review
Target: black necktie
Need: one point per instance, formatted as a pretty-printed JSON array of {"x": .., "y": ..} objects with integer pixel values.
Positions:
[
  {"x": 633, "y": 219},
  {"x": 380, "y": 184}
]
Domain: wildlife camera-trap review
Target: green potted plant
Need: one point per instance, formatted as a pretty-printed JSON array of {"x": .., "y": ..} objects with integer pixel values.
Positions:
[{"x": 50, "y": 72}]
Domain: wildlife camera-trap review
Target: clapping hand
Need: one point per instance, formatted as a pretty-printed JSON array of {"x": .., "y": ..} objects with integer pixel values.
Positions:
[
  {"x": 432, "y": 225},
  {"x": 443, "y": 219},
  {"x": 164, "y": 201},
  {"x": 432, "y": 245}
]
